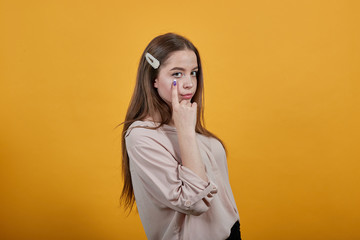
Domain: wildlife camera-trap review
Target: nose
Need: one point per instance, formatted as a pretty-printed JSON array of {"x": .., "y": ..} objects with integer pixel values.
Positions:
[{"x": 187, "y": 82}]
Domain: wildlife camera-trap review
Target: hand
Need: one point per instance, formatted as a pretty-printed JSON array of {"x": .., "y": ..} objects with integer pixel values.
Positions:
[{"x": 183, "y": 113}]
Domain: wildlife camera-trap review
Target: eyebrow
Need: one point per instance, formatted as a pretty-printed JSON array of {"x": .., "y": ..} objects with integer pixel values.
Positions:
[{"x": 182, "y": 69}]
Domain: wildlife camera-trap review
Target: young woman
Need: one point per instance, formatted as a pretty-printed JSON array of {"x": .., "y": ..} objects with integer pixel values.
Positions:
[{"x": 173, "y": 167}]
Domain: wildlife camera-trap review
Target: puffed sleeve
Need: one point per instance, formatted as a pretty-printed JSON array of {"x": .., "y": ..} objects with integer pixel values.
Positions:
[{"x": 167, "y": 181}]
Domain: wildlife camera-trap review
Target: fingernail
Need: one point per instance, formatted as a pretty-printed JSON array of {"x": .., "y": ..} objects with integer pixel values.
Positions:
[{"x": 174, "y": 82}]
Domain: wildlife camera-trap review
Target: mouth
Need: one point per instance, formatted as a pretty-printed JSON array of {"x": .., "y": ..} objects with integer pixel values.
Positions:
[{"x": 187, "y": 96}]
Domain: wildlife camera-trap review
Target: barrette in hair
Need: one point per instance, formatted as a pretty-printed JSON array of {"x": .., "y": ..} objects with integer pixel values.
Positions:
[{"x": 152, "y": 61}]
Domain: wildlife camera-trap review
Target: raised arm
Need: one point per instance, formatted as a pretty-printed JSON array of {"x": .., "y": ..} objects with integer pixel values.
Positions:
[{"x": 184, "y": 117}]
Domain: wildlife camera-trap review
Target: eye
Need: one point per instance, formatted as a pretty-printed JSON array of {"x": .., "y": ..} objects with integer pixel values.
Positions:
[
  {"x": 194, "y": 73},
  {"x": 177, "y": 74}
]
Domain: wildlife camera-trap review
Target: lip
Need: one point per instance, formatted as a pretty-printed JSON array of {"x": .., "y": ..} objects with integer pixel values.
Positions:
[{"x": 187, "y": 96}]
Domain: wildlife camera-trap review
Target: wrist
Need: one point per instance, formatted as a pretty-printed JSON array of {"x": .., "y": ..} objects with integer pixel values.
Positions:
[{"x": 188, "y": 133}]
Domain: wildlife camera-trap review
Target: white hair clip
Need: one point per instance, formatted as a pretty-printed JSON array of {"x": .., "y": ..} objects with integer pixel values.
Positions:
[{"x": 152, "y": 61}]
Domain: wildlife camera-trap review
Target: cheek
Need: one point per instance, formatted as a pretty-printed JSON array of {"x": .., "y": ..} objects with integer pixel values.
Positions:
[
  {"x": 195, "y": 85},
  {"x": 164, "y": 90}
]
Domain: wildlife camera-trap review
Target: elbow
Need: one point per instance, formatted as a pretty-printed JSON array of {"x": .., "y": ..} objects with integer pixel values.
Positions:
[
  {"x": 197, "y": 208},
  {"x": 193, "y": 201},
  {"x": 189, "y": 207}
]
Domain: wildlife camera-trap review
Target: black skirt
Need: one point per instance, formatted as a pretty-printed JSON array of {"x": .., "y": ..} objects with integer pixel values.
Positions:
[{"x": 235, "y": 232}]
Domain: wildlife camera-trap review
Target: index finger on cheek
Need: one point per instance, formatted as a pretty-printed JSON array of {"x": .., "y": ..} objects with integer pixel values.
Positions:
[{"x": 174, "y": 92}]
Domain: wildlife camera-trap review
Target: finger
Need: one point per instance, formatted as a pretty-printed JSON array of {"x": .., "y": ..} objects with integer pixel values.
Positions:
[
  {"x": 174, "y": 94},
  {"x": 183, "y": 102},
  {"x": 194, "y": 105},
  {"x": 186, "y": 103}
]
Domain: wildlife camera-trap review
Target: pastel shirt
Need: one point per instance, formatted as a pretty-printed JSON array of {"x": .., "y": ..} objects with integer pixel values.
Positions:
[{"x": 173, "y": 202}]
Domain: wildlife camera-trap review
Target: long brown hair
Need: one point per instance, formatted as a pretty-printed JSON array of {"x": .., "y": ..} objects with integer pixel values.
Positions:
[{"x": 146, "y": 101}]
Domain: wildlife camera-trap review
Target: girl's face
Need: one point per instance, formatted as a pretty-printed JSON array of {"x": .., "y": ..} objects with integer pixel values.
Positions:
[{"x": 181, "y": 65}]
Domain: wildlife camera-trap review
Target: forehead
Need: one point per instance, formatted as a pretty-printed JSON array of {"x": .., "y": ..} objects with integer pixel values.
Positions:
[{"x": 182, "y": 58}]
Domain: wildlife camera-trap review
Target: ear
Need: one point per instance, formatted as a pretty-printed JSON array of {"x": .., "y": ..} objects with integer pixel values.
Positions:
[{"x": 156, "y": 85}]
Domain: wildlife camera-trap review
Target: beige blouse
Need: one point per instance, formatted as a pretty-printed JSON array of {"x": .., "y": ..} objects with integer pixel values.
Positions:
[{"x": 173, "y": 202}]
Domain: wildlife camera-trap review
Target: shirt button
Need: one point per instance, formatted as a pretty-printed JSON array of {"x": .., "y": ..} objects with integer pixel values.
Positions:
[{"x": 187, "y": 203}]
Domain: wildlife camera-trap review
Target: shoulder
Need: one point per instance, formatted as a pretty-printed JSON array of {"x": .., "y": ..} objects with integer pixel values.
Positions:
[
  {"x": 140, "y": 129},
  {"x": 142, "y": 137},
  {"x": 213, "y": 144},
  {"x": 137, "y": 127},
  {"x": 145, "y": 132}
]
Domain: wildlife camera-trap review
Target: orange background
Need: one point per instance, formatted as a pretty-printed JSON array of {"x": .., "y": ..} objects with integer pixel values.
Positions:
[{"x": 281, "y": 89}]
